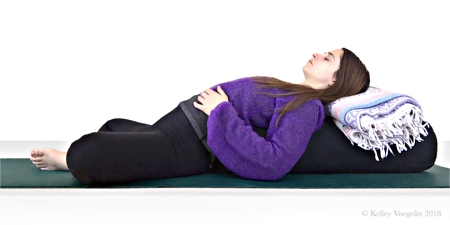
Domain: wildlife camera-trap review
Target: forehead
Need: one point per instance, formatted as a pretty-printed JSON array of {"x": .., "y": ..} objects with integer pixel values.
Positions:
[{"x": 338, "y": 53}]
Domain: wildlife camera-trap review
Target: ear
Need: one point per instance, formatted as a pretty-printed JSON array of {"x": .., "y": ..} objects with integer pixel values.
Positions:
[{"x": 332, "y": 82}]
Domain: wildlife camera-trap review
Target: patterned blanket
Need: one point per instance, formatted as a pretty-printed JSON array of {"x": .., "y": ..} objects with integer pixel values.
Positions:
[{"x": 378, "y": 119}]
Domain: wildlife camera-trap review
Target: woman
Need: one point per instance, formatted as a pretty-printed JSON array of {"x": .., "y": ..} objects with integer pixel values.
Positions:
[{"x": 216, "y": 128}]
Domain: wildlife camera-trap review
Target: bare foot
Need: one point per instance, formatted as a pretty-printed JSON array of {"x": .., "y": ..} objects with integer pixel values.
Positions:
[{"x": 49, "y": 159}]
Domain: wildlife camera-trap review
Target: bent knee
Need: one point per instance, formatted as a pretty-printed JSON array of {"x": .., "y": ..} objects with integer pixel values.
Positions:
[
  {"x": 108, "y": 125},
  {"x": 81, "y": 157}
]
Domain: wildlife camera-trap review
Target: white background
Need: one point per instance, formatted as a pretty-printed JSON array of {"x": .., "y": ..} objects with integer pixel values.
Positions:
[{"x": 68, "y": 66}]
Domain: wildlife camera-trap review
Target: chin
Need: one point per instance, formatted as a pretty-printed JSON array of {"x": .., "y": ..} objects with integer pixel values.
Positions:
[{"x": 304, "y": 70}]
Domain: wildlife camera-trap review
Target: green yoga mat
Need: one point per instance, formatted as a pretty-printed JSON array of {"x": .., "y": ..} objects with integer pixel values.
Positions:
[{"x": 21, "y": 173}]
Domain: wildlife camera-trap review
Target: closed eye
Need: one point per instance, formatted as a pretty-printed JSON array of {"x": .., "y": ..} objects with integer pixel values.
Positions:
[{"x": 325, "y": 53}]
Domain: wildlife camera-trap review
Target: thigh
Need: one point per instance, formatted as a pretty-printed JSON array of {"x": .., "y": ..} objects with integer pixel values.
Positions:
[
  {"x": 124, "y": 125},
  {"x": 168, "y": 121},
  {"x": 170, "y": 150}
]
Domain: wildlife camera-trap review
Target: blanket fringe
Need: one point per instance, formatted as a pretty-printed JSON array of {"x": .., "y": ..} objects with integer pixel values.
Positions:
[{"x": 403, "y": 129}]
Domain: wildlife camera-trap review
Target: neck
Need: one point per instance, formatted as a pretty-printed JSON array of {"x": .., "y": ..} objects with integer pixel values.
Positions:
[{"x": 310, "y": 84}]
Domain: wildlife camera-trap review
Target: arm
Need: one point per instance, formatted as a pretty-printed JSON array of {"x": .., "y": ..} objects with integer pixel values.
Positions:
[{"x": 247, "y": 154}]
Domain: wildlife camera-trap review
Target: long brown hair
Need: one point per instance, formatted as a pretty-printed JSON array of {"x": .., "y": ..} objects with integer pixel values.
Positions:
[{"x": 352, "y": 78}]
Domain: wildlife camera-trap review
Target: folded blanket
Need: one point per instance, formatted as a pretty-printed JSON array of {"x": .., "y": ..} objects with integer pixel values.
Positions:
[{"x": 378, "y": 119}]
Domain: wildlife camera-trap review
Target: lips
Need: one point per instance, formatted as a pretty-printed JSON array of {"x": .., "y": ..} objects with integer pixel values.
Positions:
[{"x": 310, "y": 62}]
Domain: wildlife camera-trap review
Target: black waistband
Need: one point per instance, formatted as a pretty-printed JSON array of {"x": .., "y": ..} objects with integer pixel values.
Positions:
[{"x": 198, "y": 120}]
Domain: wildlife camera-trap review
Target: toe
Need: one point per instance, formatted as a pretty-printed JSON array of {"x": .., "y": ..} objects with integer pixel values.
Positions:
[
  {"x": 42, "y": 167},
  {"x": 38, "y": 159},
  {"x": 38, "y": 152}
]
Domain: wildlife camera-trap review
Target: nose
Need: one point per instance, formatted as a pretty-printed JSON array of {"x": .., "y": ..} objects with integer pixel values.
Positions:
[{"x": 317, "y": 55}]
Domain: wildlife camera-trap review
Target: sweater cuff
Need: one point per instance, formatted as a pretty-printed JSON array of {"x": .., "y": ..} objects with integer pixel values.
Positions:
[{"x": 220, "y": 107}]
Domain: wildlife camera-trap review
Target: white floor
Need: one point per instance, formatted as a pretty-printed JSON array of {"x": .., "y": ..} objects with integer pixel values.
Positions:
[{"x": 223, "y": 206}]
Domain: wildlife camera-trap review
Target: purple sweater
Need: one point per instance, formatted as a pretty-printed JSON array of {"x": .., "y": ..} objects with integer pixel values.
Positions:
[{"x": 231, "y": 137}]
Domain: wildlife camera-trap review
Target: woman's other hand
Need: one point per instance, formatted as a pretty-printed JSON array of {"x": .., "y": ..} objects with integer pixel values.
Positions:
[{"x": 210, "y": 99}]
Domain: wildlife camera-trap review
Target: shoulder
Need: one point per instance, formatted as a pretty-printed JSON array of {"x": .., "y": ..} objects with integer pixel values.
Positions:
[
  {"x": 311, "y": 111},
  {"x": 316, "y": 108},
  {"x": 315, "y": 103},
  {"x": 313, "y": 106}
]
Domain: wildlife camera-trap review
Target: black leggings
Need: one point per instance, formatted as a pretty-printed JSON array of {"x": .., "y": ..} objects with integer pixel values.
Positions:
[{"x": 126, "y": 151}]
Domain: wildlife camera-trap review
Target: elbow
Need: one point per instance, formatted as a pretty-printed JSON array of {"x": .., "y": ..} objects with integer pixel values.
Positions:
[
  {"x": 262, "y": 175},
  {"x": 274, "y": 177},
  {"x": 271, "y": 177},
  {"x": 273, "y": 171}
]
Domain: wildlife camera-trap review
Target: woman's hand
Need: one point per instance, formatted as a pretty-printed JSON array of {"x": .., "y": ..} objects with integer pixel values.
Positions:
[{"x": 210, "y": 99}]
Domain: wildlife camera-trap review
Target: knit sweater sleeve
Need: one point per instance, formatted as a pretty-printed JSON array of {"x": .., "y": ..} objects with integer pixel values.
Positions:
[{"x": 250, "y": 156}]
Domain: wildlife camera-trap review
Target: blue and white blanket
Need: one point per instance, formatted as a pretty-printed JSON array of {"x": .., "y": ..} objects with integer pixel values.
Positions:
[{"x": 377, "y": 119}]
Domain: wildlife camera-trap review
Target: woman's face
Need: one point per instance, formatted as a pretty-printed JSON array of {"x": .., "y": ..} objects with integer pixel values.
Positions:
[{"x": 320, "y": 69}]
